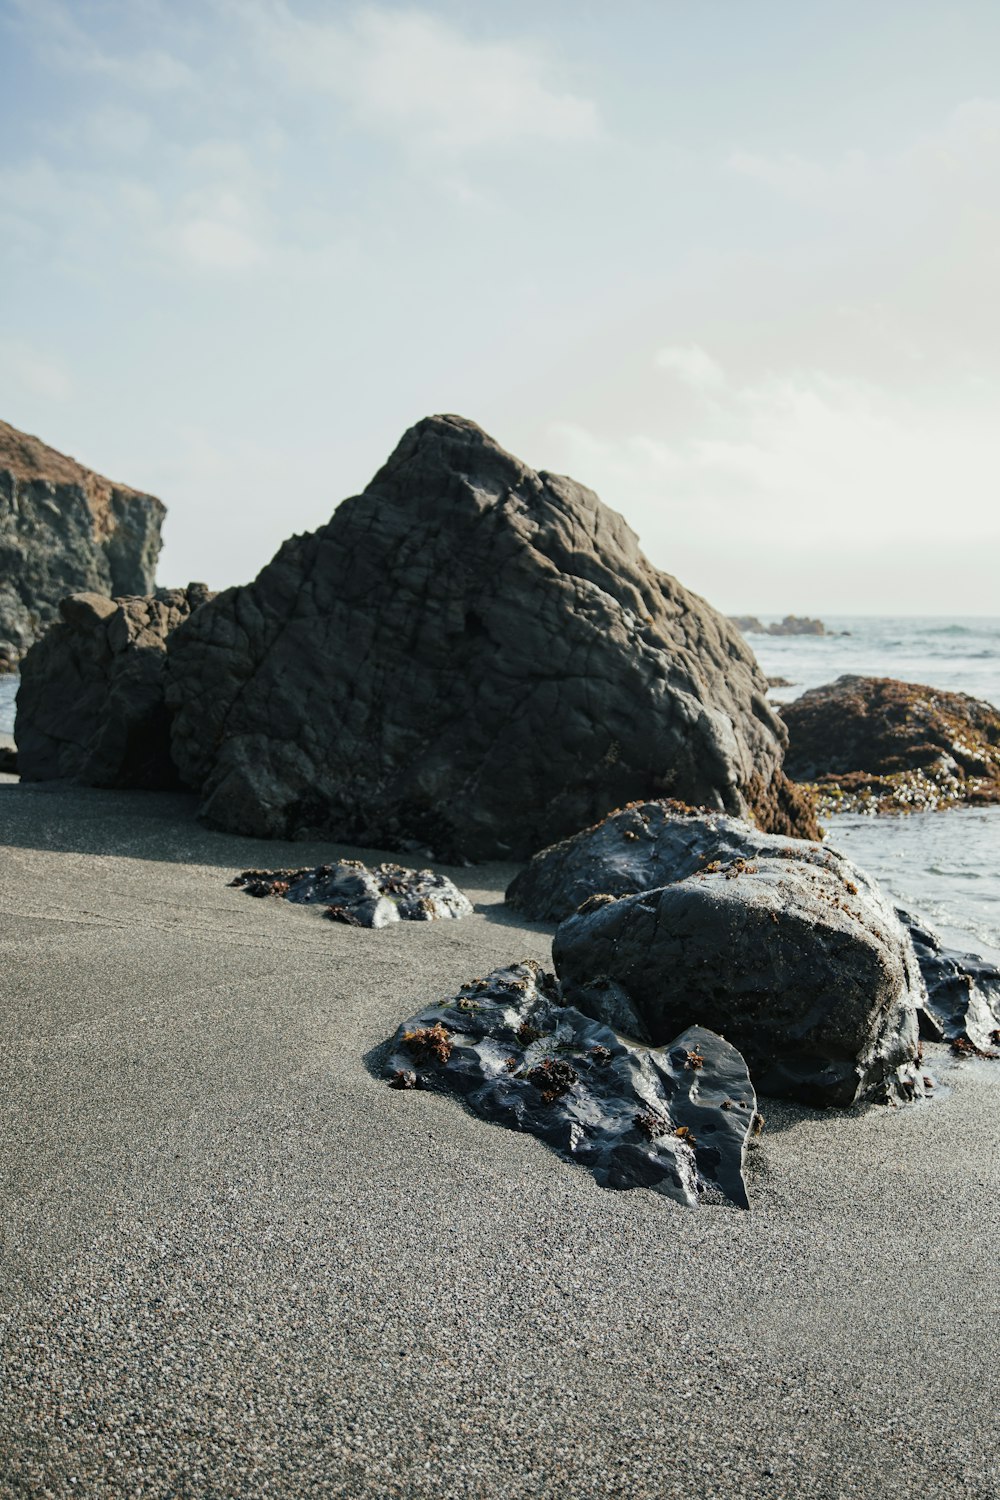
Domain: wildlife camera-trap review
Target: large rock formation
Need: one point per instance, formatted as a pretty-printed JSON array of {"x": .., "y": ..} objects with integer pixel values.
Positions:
[
  {"x": 675, "y": 1119},
  {"x": 785, "y": 948},
  {"x": 873, "y": 744},
  {"x": 90, "y": 706},
  {"x": 65, "y": 530},
  {"x": 472, "y": 657}
]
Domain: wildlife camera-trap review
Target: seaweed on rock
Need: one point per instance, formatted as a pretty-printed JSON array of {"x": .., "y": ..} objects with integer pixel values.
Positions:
[
  {"x": 676, "y": 1119},
  {"x": 359, "y": 897}
]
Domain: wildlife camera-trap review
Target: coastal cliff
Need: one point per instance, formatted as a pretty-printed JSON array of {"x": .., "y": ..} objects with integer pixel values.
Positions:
[{"x": 65, "y": 530}]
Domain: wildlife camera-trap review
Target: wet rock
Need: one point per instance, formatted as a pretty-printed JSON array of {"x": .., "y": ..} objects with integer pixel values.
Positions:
[
  {"x": 748, "y": 624},
  {"x": 963, "y": 991},
  {"x": 359, "y": 897},
  {"x": 471, "y": 656},
  {"x": 90, "y": 706},
  {"x": 638, "y": 848},
  {"x": 873, "y": 744},
  {"x": 64, "y": 530},
  {"x": 676, "y": 1119},
  {"x": 794, "y": 956}
]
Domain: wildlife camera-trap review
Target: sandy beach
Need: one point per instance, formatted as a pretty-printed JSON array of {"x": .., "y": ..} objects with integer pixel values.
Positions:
[{"x": 234, "y": 1263}]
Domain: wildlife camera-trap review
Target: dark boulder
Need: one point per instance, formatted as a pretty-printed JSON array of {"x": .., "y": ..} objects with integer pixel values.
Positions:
[
  {"x": 794, "y": 956},
  {"x": 963, "y": 992},
  {"x": 650, "y": 844},
  {"x": 873, "y": 744},
  {"x": 65, "y": 530},
  {"x": 90, "y": 706},
  {"x": 675, "y": 1119},
  {"x": 359, "y": 897},
  {"x": 471, "y": 657}
]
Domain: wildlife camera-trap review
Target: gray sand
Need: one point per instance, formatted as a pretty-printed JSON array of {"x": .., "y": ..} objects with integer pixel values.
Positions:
[{"x": 236, "y": 1264}]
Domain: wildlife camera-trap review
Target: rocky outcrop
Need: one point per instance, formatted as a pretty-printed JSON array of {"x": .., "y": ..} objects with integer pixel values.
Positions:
[
  {"x": 470, "y": 657},
  {"x": 963, "y": 993},
  {"x": 873, "y": 744},
  {"x": 790, "y": 952},
  {"x": 90, "y": 707},
  {"x": 65, "y": 530},
  {"x": 790, "y": 625},
  {"x": 675, "y": 1119},
  {"x": 351, "y": 893}
]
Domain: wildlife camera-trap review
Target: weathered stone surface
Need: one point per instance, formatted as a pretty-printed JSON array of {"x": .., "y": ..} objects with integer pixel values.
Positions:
[
  {"x": 675, "y": 1119},
  {"x": 794, "y": 956},
  {"x": 65, "y": 530},
  {"x": 963, "y": 992},
  {"x": 470, "y": 657},
  {"x": 873, "y": 744},
  {"x": 352, "y": 893},
  {"x": 649, "y": 844},
  {"x": 90, "y": 706}
]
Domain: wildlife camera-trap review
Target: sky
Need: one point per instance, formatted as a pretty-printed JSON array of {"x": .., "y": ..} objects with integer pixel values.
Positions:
[{"x": 731, "y": 263}]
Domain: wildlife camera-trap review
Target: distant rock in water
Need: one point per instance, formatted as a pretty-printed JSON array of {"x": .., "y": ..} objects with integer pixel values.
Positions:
[
  {"x": 790, "y": 625},
  {"x": 873, "y": 744},
  {"x": 359, "y": 897},
  {"x": 782, "y": 946},
  {"x": 90, "y": 705},
  {"x": 676, "y": 1119},
  {"x": 471, "y": 657},
  {"x": 65, "y": 530}
]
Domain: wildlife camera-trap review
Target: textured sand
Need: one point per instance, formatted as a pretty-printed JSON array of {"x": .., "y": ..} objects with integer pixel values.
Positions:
[{"x": 233, "y": 1263}]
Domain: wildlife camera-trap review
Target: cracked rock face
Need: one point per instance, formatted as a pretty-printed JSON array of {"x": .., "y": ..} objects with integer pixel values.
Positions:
[
  {"x": 65, "y": 530},
  {"x": 360, "y": 897},
  {"x": 676, "y": 1119},
  {"x": 90, "y": 706},
  {"x": 963, "y": 992},
  {"x": 469, "y": 656},
  {"x": 793, "y": 955}
]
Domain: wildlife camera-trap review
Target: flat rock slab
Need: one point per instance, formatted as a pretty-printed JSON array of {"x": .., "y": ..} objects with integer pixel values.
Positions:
[
  {"x": 963, "y": 993},
  {"x": 676, "y": 1119},
  {"x": 362, "y": 897}
]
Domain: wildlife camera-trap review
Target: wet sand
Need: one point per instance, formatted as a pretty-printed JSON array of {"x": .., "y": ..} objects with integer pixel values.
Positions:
[{"x": 234, "y": 1263}]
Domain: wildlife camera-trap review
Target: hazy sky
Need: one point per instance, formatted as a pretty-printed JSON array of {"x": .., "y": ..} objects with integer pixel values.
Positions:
[{"x": 732, "y": 263}]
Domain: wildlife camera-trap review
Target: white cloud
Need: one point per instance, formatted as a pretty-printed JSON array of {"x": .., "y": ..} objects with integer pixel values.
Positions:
[
  {"x": 692, "y": 367},
  {"x": 27, "y": 370},
  {"x": 216, "y": 245},
  {"x": 810, "y": 461},
  {"x": 413, "y": 77}
]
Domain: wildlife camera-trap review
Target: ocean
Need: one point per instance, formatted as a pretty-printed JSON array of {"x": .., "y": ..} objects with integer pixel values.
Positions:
[{"x": 945, "y": 866}]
